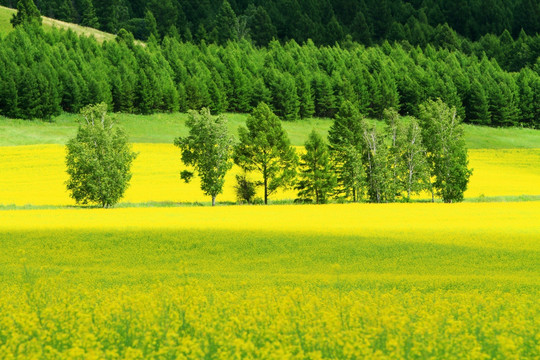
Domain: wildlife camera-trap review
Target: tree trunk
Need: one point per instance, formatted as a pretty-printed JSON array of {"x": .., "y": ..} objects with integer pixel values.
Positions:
[
  {"x": 409, "y": 185},
  {"x": 265, "y": 176},
  {"x": 213, "y": 201},
  {"x": 265, "y": 191}
]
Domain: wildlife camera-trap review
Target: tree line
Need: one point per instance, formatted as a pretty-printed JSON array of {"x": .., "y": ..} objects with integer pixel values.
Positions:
[
  {"x": 45, "y": 73},
  {"x": 361, "y": 162},
  {"x": 325, "y": 22}
]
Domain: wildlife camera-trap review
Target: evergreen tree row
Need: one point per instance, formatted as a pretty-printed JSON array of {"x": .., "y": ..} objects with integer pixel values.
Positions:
[
  {"x": 323, "y": 21},
  {"x": 42, "y": 74}
]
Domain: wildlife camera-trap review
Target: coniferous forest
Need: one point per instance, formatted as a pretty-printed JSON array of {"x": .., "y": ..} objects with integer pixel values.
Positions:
[{"x": 303, "y": 58}]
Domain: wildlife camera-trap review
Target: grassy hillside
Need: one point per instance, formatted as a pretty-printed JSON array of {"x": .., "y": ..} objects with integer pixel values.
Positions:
[
  {"x": 48, "y": 23},
  {"x": 157, "y": 128},
  {"x": 163, "y": 128}
]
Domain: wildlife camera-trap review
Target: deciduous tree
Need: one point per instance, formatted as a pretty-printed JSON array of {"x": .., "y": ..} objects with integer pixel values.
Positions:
[
  {"x": 443, "y": 134},
  {"x": 98, "y": 159},
  {"x": 207, "y": 149}
]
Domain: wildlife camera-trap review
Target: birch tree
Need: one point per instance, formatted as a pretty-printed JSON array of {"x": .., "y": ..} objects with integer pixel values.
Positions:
[
  {"x": 207, "y": 149},
  {"x": 446, "y": 151}
]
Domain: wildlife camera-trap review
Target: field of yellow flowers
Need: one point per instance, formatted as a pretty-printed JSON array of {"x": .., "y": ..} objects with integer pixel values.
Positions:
[
  {"x": 341, "y": 281},
  {"x": 36, "y": 175},
  {"x": 352, "y": 281}
]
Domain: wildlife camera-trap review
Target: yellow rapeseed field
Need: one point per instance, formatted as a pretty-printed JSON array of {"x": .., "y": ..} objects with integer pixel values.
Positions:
[
  {"x": 36, "y": 175},
  {"x": 352, "y": 281},
  {"x": 340, "y": 281}
]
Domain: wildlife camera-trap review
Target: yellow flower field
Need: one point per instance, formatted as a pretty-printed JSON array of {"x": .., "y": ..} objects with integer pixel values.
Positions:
[
  {"x": 339, "y": 281},
  {"x": 36, "y": 175},
  {"x": 348, "y": 281}
]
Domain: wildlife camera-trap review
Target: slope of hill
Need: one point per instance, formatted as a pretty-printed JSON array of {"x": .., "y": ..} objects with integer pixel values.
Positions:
[
  {"x": 163, "y": 128},
  {"x": 48, "y": 23}
]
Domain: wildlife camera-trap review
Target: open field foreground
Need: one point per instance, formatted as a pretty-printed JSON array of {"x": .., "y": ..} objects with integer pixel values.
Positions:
[
  {"x": 36, "y": 175},
  {"x": 457, "y": 281}
]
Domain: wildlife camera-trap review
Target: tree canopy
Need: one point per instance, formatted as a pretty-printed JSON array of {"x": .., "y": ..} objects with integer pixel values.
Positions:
[
  {"x": 98, "y": 159},
  {"x": 27, "y": 14},
  {"x": 264, "y": 147},
  {"x": 207, "y": 149}
]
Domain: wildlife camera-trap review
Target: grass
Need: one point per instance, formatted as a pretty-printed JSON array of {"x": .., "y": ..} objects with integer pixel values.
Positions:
[
  {"x": 48, "y": 23},
  {"x": 336, "y": 281},
  {"x": 5, "y": 17},
  {"x": 484, "y": 137},
  {"x": 163, "y": 128},
  {"x": 157, "y": 128}
]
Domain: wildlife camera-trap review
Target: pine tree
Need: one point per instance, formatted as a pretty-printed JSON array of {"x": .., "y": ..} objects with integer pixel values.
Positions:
[
  {"x": 528, "y": 100},
  {"x": 226, "y": 24},
  {"x": 317, "y": 179},
  {"x": 260, "y": 93},
  {"x": 8, "y": 89},
  {"x": 88, "y": 14},
  {"x": 237, "y": 86},
  {"x": 325, "y": 101},
  {"x": 27, "y": 14},
  {"x": 334, "y": 32},
  {"x": 28, "y": 95},
  {"x": 360, "y": 30},
  {"x": 151, "y": 24},
  {"x": 502, "y": 105},
  {"x": 265, "y": 148},
  {"x": 262, "y": 31},
  {"x": 66, "y": 11},
  {"x": 285, "y": 102},
  {"x": 478, "y": 105},
  {"x": 166, "y": 13},
  {"x": 347, "y": 145},
  {"x": 305, "y": 96}
]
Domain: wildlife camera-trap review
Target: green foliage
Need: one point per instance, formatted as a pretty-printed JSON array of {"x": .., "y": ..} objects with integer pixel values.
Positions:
[
  {"x": 88, "y": 14},
  {"x": 245, "y": 189},
  {"x": 207, "y": 149},
  {"x": 27, "y": 14},
  {"x": 378, "y": 165},
  {"x": 45, "y": 73},
  {"x": 261, "y": 26},
  {"x": 478, "y": 105},
  {"x": 151, "y": 24},
  {"x": 395, "y": 133},
  {"x": 317, "y": 178},
  {"x": 264, "y": 147},
  {"x": 98, "y": 159},
  {"x": 226, "y": 24},
  {"x": 347, "y": 145},
  {"x": 413, "y": 160},
  {"x": 446, "y": 152}
]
